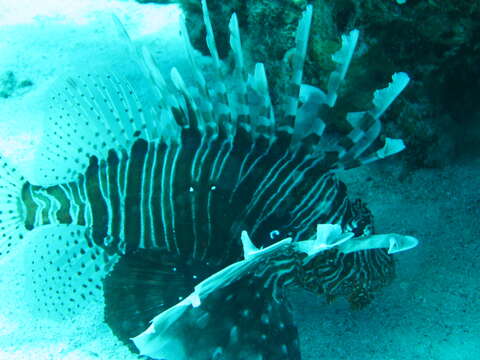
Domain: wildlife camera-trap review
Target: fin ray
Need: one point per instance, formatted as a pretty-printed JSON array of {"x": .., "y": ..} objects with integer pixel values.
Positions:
[
  {"x": 65, "y": 273},
  {"x": 86, "y": 109},
  {"x": 12, "y": 229}
]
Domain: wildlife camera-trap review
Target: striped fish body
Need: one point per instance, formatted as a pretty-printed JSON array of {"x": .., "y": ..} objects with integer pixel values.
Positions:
[
  {"x": 175, "y": 212},
  {"x": 186, "y": 199}
]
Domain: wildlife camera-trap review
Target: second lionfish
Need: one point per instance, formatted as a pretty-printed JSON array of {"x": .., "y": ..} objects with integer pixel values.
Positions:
[{"x": 195, "y": 210}]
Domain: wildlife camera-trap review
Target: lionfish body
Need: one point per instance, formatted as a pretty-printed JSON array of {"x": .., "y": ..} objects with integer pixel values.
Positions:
[{"x": 153, "y": 206}]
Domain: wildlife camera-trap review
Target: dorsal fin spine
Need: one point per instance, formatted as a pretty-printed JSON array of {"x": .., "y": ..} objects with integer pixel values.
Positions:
[
  {"x": 210, "y": 38},
  {"x": 301, "y": 42},
  {"x": 343, "y": 58},
  {"x": 239, "y": 101},
  {"x": 198, "y": 75}
]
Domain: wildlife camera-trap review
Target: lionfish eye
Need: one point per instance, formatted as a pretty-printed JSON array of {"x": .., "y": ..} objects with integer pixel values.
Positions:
[{"x": 274, "y": 234}]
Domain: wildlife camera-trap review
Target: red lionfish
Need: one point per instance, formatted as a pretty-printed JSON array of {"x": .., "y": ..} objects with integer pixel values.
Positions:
[{"x": 156, "y": 206}]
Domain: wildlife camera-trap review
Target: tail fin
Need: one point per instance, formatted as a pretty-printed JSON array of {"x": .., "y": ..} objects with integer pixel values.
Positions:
[{"x": 12, "y": 229}]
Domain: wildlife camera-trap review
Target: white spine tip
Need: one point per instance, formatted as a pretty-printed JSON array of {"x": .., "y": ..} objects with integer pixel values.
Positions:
[
  {"x": 195, "y": 300},
  {"x": 248, "y": 247}
]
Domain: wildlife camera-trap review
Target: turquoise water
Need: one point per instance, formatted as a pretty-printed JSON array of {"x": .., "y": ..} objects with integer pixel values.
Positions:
[{"x": 430, "y": 310}]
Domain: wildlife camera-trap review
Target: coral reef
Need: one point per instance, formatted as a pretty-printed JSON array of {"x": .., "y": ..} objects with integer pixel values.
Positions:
[{"x": 438, "y": 43}]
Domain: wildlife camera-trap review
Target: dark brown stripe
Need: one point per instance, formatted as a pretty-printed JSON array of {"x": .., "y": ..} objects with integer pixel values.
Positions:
[
  {"x": 133, "y": 221},
  {"x": 99, "y": 227}
]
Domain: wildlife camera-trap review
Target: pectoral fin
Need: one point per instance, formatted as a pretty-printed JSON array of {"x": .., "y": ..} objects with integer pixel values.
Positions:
[{"x": 239, "y": 312}]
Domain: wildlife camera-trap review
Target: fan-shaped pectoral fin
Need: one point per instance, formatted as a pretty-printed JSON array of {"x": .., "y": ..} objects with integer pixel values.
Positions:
[{"x": 237, "y": 313}]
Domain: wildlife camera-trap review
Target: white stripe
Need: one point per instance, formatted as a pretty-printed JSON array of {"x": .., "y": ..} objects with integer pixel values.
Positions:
[
  {"x": 40, "y": 205},
  {"x": 163, "y": 202},
  {"x": 258, "y": 194},
  {"x": 150, "y": 196},
  {"x": 327, "y": 280},
  {"x": 323, "y": 209},
  {"x": 73, "y": 207},
  {"x": 105, "y": 191},
  {"x": 312, "y": 197},
  {"x": 337, "y": 281},
  {"x": 121, "y": 179},
  {"x": 217, "y": 170},
  {"x": 209, "y": 223},
  {"x": 88, "y": 210},
  {"x": 171, "y": 195},
  {"x": 195, "y": 175},
  {"x": 53, "y": 208},
  {"x": 76, "y": 190},
  {"x": 255, "y": 162},
  {"x": 243, "y": 165},
  {"x": 266, "y": 183},
  {"x": 196, "y": 169},
  {"x": 310, "y": 222},
  {"x": 143, "y": 195},
  {"x": 284, "y": 193},
  {"x": 323, "y": 205},
  {"x": 209, "y": 200},
  {"x": 283, "y": 273}
]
